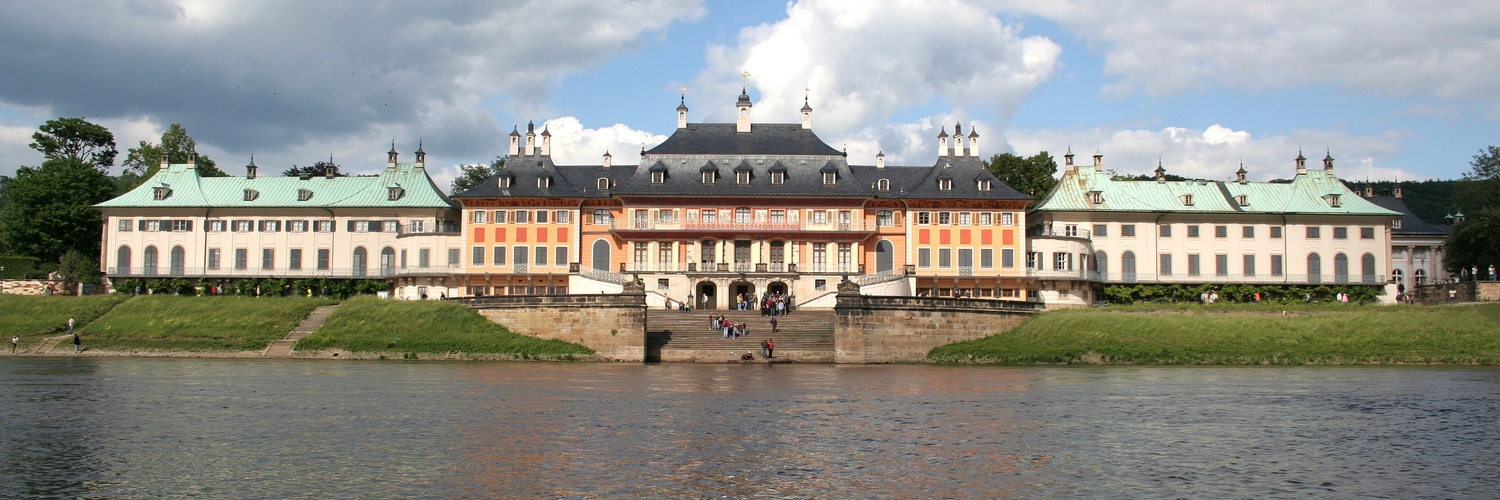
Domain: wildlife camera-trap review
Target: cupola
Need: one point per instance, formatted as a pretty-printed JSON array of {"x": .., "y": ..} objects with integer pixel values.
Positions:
[{"x": 742, "y": 124}]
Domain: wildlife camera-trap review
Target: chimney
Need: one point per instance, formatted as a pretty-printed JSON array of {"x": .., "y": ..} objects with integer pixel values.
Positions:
[
  {"x": 1397, "y": 191},
  {"x": 546, "y": 141},
  {"x": 1328, "y": 163},
  {"x": 421, "y": 155},
  {"x": 942, "y": 141},
  {"x": 332, "y": 170},
  {"x": 682, "y": 110},
  {"x": 880, "y": 159},
  {"x": 165, "y": 160},
  {"x": 1239, "y": 175},
  {"x": 1369, "y": 192},
  {"x": 390, "y": 156},
  {"x": 515, "y": 142},
  {"x": 1068, "y": 161}
]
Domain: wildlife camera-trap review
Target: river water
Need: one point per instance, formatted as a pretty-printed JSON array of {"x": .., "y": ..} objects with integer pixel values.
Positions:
[{"x": 165, "y": 428}]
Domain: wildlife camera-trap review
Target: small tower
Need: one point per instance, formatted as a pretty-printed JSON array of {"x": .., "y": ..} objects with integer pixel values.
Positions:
[
  {"x": 546, "y": 141},
  {"x": 1301, "y": 163},
  {"x": 1328, "y": 163},
  {"x": 682, "y": 110},
  {"x": 1239, "y": 175},
  {"x": 743, "y": 123},
  {"x": 250, "y": 170},
  {"x": 942, "y": 141},
  {"x": 390, "y": 156},
  {"x": 1098, "y": 161},
  {"x": 192, "y": 158},
  {"x": 806, "y": 113},
  {"x": 332, "y": 170},
  {"x": 515, "y": 141},
  {"x": 1068, "y": 161},
  {"x": 421, "y": 155},
  {"x": 958, "y": 140},
  {"x": 165, "y": 160},
  {"x": 1161, "y": 172},
  {"x": 530, "y": 138},
  {"x": 880, "y": 159},
  {"x": 973, "y": 141},
  {"x": 607, "y": 159}
]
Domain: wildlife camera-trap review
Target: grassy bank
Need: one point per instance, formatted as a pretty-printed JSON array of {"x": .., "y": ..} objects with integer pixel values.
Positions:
[
  {"x": 368, "y": 324},
  {"x": 168, "y": 322},
  {"x": 33, "y": 318},
  {"x": 1245, "y": 334}
]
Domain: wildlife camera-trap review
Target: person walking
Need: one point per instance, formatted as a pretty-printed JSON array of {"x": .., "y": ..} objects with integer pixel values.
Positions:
[
  {"x": 773, "y": 323},
  {"x": 70, "y": 326},
  {"x": 77, "y": 344},
  {"x": 14, "y": 341}
]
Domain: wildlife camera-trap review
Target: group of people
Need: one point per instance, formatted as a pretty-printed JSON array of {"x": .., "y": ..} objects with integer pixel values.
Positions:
[
  {"x": 1209, "y": 296},
  {"x": 731, "y": 330},
  {"x": 771, "y": 304}
]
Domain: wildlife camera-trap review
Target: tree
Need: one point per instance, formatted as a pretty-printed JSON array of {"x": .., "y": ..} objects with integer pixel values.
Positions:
[
  {"x": 471, "y": 176},
  {"x": 77, "y": 139},
  {"x": 1033, "y": 176},
  {"x": 77, "y": 267},
  {"x": 1480, "y": 187},
  {"x": 1475, "y": 242},
  {"x": 318, "y": 169},
  {"x": 51, "y": 209},
  {"x": 142, "y": 162}
]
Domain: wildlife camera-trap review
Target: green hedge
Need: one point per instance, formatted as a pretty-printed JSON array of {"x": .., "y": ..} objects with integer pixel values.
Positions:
[{"x": 1125, "y": 294}]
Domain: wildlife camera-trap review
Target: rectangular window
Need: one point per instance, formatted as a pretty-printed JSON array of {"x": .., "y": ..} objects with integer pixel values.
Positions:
[
  {"x": 1192, "y": 231},
  {"x": 523, "y": 217},
  {"x": 1008, "y": 258},
  {"x": 520, "y": 257},
  {"x": 424, "y": 257},
  {"x": 1166, "y": 231},
  {"x": 1340, "y": 233},
  {"x": 945, "y": 258},
  {"x": 710, "y": 216},
  {"x": 1249, "y": 265},
  {"x": 453, "y": 257},
  {"x": 498, "y": 256},
  {"x": 541, "y": 216},
  {"x": 1007, "y": 219},
  {"x": 1275, "y": 265},
  {"x": 924, "y": 218},
  {"x": 216, "y": 226},
  {"x": 244, "y": 226},
  {"x": 478, "y": 256},
  {"x": 403, "y": 258},
  {"x": 944, "y": 218},
  {"x": 640, "y": 253},
  {"x": 1032, "y": 258},
  {"x": 1101, "y": 229},
  {"x": 323, "y": 257},
  {"x": 820, "y": 255},
  {"x": 297, "y": 226},
  {"x": 561, "y": 257},
  {"x": 820, "y": 285},
  {"x": 390, "y": 226},
  {"x": 1060, "y": 261},
  {"x": 323, "y": 226},
  {"x": 1367, "y": 233},
  {"x": 1247, "y": 232},
  {"x": 845, "y": 256},
  {"x": 477, "y": 216},
  {"x": 1166, "y": 264},
  {"x": 1275, "y": 232},
  {"x": 501, "y": 216},
  {"x": 924, "y": 257},
  {"x": 1314, "y": 232},
  {"x": 182, "y": 225},
  {"x": 267, "y": 258},
  {"x": 884, "y": 218},
  {"x": 294, "y": 259},
  {"x": 1070, "y": 230},
  {"x": 986, "y": 258},
  {"x": 1127, "y": 230},
  {"x": 241, "y": 258},
  {"x": 963, "y": 218},
  {"x": 1221, "y": 231},
  {"x": 562, "y": 217},
  {"x": 1221, "y": 265},
  {"x": 213, "y": 258},
  {"x": 664, "y": 252},
  {"x": 986, "y": 219},
  {"x": 1195, "y": 267},
  {"x": 126, "y": 225}
]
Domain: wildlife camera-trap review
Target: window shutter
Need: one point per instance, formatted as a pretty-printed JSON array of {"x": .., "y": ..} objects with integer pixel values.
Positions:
[
  {"x": 351, "y": 226},
  {"x": 140, "y": 225},
  {"x": 260, "y": 226},
  {"x": 190, "y": 225}
]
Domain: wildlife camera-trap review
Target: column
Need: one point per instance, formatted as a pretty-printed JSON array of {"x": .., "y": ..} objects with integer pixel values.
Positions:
[
  {"x": 1437, "y": 262},
  {"x": 1410, "y": 268}
]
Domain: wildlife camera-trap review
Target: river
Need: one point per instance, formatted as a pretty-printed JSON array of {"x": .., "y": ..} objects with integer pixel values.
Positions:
[{"x": 217, "y": 428}]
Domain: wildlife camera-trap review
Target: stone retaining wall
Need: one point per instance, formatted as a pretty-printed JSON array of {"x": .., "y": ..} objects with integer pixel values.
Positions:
[
  {"x": 612, "y": 325},
  {"x": 903, "y": 329},
  {"x": 32, "y": 287},
  {"x": 1466, "y": 291}
]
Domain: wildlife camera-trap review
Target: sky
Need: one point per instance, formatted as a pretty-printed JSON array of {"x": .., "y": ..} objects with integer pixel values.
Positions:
[{"x": 1392, "y": 90}]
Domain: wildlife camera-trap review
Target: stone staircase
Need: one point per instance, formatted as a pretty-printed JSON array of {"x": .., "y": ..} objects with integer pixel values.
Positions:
[
  {"x": 803, "y": 336},
  {"x": 41, "y": 348},
  {"x": 283, "y": 348}
]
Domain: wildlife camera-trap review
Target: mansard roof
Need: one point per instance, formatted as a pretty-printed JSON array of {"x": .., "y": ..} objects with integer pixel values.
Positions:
[
  {"x": 1410, "y": 223},
  {"x": 188, "y": 189},
  {"x": 568, "y": 181},
  {"x": 768, "y": 139},
  {"x": 1307, "y": 193}
]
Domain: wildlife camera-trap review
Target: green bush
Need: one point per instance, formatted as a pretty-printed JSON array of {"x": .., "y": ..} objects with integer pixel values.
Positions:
[
  {"x": 1125, "y": 294},
  {"x": 369, "y": 324}
]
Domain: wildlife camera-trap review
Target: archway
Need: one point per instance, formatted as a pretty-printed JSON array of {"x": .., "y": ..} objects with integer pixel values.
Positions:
[
  {"x": 742, "y": 289},
  {"x": 1314, "y": 268},
  {"x": 387, "y": 261},
  {"x": 1340, "y": 268},
  {"x": 179, "y": 260},
  {"x": 148, "y": 261},
  {"x": 360, "y": 257},
  {"x": 777, "y": 288},
  {"x": 600, "y": 259},
  {"x": 1127, "y": 266},
  {"x": 885, "y": 257},
  {"x": 708, "y": 295},
  {"x": 122, "y": 261}
]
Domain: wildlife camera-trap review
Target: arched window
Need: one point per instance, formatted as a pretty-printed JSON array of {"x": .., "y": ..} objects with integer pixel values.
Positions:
[
  {"x": 883, "y": 184},
  {"x": 601, "y": 255},
  {"x": 179, "y": 258},
  {"x": 601, "y": 216},
  {"x": 885, "y": 257},
  {"x": 122, "y": 261},
  {"x": 1421, "y": 277},
  {"x": 1314, "y": 268},
  {"x": 1367, "y": 269},
  {"x": 1101, "y": 264},
  {"x": 148, "y": 261},
  {"x": 360, "y": 261},
  {"x": 1340, "y": 268},
  {"x": 603, "y": 183},
  {"x": 1399, "y": 276},
  {"x": 1127, "y": 266},
  {"x": 742, "y": 215},
  {"x": 387, "y": 261}
]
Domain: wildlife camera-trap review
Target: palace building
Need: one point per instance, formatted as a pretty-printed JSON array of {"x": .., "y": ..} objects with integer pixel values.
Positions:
[
  {"x": 1094, "y": 230},
  {"x": 395, "y": 225},
  {"x": 723, "y": 209}
]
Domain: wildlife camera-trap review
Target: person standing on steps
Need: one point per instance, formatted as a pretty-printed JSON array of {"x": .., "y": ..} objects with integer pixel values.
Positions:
[
  {"x": 773, "y": 323},
  {"x": 77, "y": 344},
  {"x": 770, "y": 348},
  {"x": 765, "y": 349}
]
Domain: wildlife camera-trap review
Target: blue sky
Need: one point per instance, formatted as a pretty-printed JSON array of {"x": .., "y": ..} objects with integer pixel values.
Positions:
[{"x": 1392, "y": 91}]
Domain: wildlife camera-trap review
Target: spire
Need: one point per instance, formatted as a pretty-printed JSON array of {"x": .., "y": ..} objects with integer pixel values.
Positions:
[
  {"x": 513, "y": 133},
  {"x": 1301, "y": 162},
  {"x": 682, "y": 103},
  {"x": 608, "y": 159},
  {"x": 973, "y": 141},
  {"x": 744, "y": 97},
  {"x": 880, "y": 159},
  {"x": 682, "y": 110},
  {"x": 1161, "y": 172},
  {"x": 250, "y": 169},
  {"x": 1239, "y": 175},
  {"x": 743, "y": 123},
  {"x": 1328, "y": 161},
  {"x": 806, "y": 111},
  {"x": 942, "y": 141},
  {"x": 390, "y": 156},
  {"x": 421, "y": 155},
  {"x": 1098, "y": 161},
  {"x": 515, "y": 141}
]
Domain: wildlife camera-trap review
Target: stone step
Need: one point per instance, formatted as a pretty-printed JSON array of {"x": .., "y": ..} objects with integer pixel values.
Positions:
[
  {"x": 808, "y": 332},
  {"x": 283, "y": 348}
]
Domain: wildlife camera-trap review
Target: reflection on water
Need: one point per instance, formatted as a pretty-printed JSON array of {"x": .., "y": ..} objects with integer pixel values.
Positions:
[{"x": 149, "y": 428}]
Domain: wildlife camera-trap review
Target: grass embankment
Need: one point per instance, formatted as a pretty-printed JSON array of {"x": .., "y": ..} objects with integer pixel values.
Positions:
[
  {"x": 34, "y": 318},
  {"x": 406, "y": 328},
  {"x": 168, "y": 323},
  {"x": 1246, "y": 334}
]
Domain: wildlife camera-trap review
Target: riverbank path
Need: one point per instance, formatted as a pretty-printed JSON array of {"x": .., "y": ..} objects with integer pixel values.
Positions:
[
  {"x": 41, "y": 348},
  {"x": 283, "y": 348}
]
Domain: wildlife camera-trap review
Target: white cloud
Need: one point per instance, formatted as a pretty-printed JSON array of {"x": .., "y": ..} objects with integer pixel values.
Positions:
[
  {"x": 914, "y": 143},
  {"x": 1216, "y": 152},
  {"x": 866, "y": 60},
  {"x": 574, "y": 145},
  {"x": 1440, "y": 49}
]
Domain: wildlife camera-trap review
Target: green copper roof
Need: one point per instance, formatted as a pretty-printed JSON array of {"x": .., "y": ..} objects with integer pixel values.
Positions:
[
  {"x": 187, "y": 189},
  {"x": 1308, "y": 193}
]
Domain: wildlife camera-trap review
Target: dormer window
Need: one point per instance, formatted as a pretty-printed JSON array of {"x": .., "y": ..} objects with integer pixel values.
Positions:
[
  {"x": 1396, "y": 224},
  {"x": 161, "y": 193},
  {"x": 708, "y": 177},
  {"x": 1243, "y": 200},
  {"x": 304, "y": 194},
  {"x": 983, "y": 185},
  {"x": 945, "y": 184},
  {"x": 1187, "y": 200},
  {"x": 251, "y": 194},
  {"x": 658, "y": 177},
  {"x": 1097, "y": 197},
  {"x": 504, "y": 182},
  {"x": 742, "y": 177},
  {"x": 543, "y": 182},
  {"x": 830, "y": 177},
  {"x": 603, "y": 183},
  {"x": 778, "y": 177},
  {"x": 883, "y": 184},
  {"x": 394, "y": 193},
  {"x": 1333, "y": 200}
]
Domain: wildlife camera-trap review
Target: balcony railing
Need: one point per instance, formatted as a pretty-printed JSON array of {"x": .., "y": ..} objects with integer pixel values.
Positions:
[
  {"x": 731, "y": 225},
  {"x": 1059, "y": 233},
  {"x": 258, "y": 272},
  {"x": 602, "y": 275},
  {"x": 445, "y": 227},
  {"x": 1291, "y": 279}
]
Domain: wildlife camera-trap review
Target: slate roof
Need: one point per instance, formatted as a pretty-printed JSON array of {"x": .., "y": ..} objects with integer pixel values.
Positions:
[
  {"x": 765, "y": 139},
  {"x": 1306, "y": 194},
  {"x": 1410, "y": 223},
  {"x": 188, "y": 189}
]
